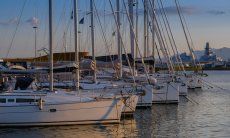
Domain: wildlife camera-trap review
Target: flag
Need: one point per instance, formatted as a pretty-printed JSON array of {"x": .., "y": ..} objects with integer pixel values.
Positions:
[{"x": 82, "y": 21}]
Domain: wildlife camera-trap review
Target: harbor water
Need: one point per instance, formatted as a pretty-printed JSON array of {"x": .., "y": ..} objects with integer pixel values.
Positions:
[{"x": 205, "y": 113}]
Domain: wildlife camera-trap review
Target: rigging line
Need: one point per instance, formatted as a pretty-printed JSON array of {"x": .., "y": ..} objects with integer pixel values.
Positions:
[
  {"x": 162, "y": 48},
  {"x": 186, "y": 25},
  {"x": 162, "y": 44},
  {"x": 152, "y": 9},
  {"x": 67, "y": 27},
  {"x": 172, "y": 37},
  {"x": 122, "y": 43},
  {"x": 165, "y": 41},
  {"x": 136, "y": 41},
  {"x": 166, "y": 29},
  {"x": 158, "y": 53},
  {"x": 172, "y": 40},
  {"x": 169, "y": 32},
  {"x": 159, "y": 42},
  {"x": 59, "y": 22},
  {"x": 169, "y": 58},
  {"x": 103, "y": 36},
  {"x": 186, "y": 37},
  {"x": 45, "y": 17},
  {"x": 16, "y": 29},
  {"x": 136, "y": 27},
  {"x": 157, "y": 29},
  {"x": 146, "y": 31},
  {"x": 56, "y": 28},
  {"x": 64, "y": 37},
  {"x": 152, "y": 31}
]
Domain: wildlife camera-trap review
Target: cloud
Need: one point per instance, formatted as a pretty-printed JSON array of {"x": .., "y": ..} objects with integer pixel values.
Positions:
[
  {"x": 185, "y": 9},
  {"x": 216, "y": 12},
  {"x": 189, "y": 10},
  {"x": 172, "y": 10},
  {"x": 33, "y": 21},
  {"x": 9, "y": 22}
]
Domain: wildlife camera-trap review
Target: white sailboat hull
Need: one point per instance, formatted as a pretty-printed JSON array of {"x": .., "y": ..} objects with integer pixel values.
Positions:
[
  {"x": 130, "y": 105},
  {"x": 103, "y": 111},
  {"x": 183, "y": 89},
  {"x": 168, "y": 94},
  {"x": 146, "y": 99},
  {"x": 198, "y": 82},
  {"x": 194, "y": 82},
  {"x": 182, "y": 84},
  {"x": 109, "y": 90}
]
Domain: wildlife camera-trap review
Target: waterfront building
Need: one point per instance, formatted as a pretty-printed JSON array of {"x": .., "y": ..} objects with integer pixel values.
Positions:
[
  {"x": 184, "y": 57},
  {"x": 209, "y": 56}
]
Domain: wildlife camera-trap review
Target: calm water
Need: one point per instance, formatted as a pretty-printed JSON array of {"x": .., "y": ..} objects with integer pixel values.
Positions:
[{"x": 206, "y": 115}]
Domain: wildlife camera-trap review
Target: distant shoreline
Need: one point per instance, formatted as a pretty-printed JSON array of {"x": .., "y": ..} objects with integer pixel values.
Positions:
[
  {"x": 218, "y": 69},
  {"x": 204, "y": 69}
]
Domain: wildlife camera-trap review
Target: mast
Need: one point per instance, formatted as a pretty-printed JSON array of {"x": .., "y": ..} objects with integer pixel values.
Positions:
[
  {"x": 153, "y": 35},
  {"x": 119, "y": 38},
  {"x": 136, "y": 28},
  {"x": 130, "y": 3},
  {"x": 51, "y": 45},
  {"x": 145, "y": 27},
  {"x": 92, "y": 39},
  {"x": 76, "y": 43},
  {"x": 133, "y": 31},
  {"x": 157, "y": 33},
  {"x": 122, "y": 42},
  {"x": 186, "y": 37}
]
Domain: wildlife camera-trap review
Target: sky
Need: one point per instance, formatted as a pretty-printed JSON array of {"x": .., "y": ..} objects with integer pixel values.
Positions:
[{"x": 208, "y": 21}]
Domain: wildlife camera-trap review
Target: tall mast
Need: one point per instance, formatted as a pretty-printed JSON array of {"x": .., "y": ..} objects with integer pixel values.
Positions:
[
  {"x": 119, "y": 38},
  {"x": 145, "y": 27},
  {"x": 92, "y": 39},
  {"x": 76, "y": 42},
  {"x": 136, "y": 27},
  {"x": 186, "y": 37},
  {"x": 130, "y": 3},
  {"x": 51, "y": 45},
  {"x": 153, "y": 35}
]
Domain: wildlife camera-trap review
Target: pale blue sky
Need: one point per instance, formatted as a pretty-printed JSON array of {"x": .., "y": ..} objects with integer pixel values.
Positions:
[{"x": 208, "y": 20}]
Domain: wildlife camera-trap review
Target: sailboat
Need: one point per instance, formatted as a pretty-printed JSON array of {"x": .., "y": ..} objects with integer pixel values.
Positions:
[
  {"x": 57, "y": 108},
  {"x": 36, "y": 108},
  {"x": 103, "y": 86},
  {"x": 193, "y": 81},
  {"x": 166, "y": 91}
]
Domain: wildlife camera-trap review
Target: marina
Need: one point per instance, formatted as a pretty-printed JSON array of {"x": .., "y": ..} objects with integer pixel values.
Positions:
[
  {"x": 206, "y": 116},
  {"x": 111, "y": 68}
]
